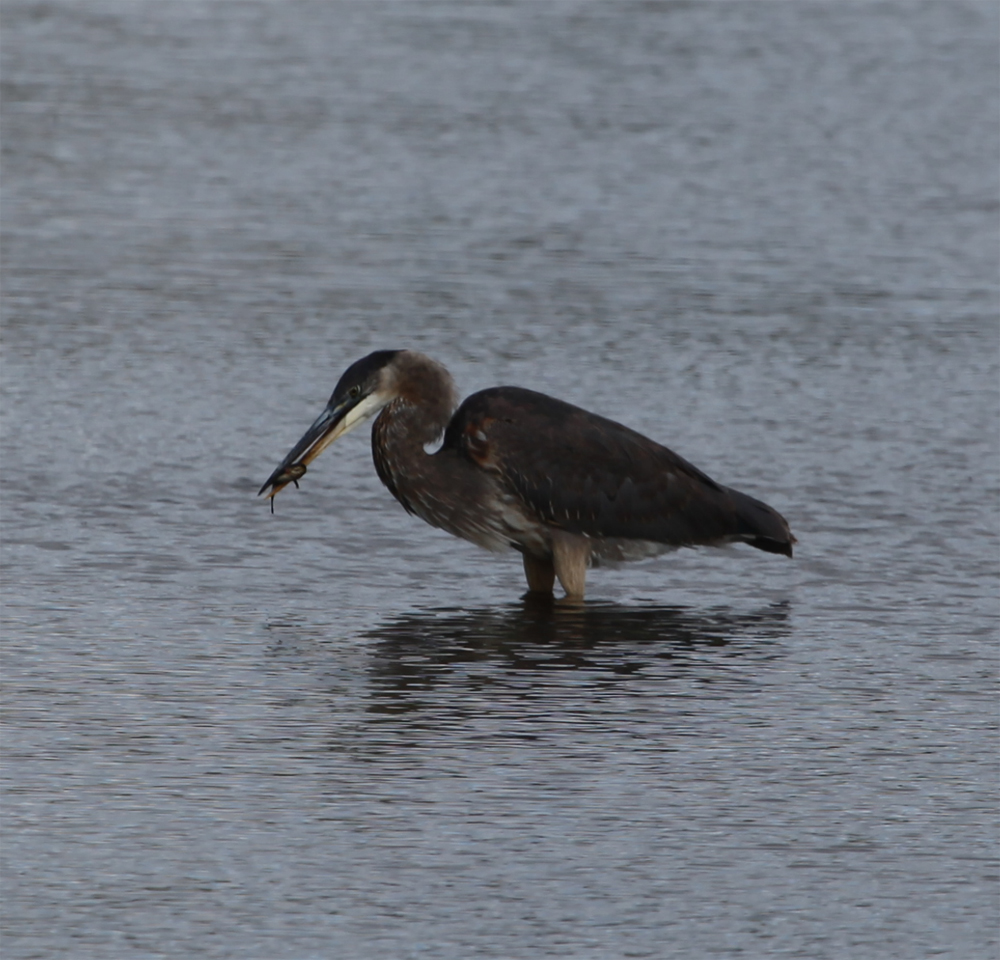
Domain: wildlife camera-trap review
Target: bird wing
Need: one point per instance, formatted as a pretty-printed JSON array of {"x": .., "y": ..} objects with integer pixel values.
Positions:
[{"x": 586, "y": 474}]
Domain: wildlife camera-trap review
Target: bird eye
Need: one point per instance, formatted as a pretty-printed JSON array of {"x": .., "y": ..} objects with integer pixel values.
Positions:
[{"x": 355, "y": 392}]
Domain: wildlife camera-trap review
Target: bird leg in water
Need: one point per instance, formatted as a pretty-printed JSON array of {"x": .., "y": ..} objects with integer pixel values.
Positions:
[
  {"x": 570, "y": 557},
  {"x": 539, "y": 573}
]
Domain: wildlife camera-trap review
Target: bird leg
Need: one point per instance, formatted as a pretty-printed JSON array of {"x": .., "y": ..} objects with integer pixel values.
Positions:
[
  {"x": 539, "y": 573},
  {"x": 570, "y": 556}
]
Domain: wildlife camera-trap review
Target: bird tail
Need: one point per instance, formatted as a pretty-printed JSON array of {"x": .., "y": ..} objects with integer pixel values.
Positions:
[{"x": 761, "y": 526}]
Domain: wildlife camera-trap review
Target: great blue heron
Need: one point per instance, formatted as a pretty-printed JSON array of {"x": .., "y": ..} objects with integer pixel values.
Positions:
[{"x": 565, "y": 487}]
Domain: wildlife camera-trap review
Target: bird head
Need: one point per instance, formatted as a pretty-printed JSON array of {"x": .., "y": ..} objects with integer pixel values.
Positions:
[{"x": 365, "y": 388}]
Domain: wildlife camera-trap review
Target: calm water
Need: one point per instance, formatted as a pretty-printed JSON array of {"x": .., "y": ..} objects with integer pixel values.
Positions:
[{"x": 764, "y": 234}]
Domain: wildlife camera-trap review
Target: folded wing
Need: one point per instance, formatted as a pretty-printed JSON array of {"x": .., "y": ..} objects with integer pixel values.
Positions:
[{"x": 585, "y": 474}]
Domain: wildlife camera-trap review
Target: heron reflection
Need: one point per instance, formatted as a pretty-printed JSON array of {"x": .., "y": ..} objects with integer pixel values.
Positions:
[
  {"x": 517, "y": 469},
  {"x": 532, "y": 644}
]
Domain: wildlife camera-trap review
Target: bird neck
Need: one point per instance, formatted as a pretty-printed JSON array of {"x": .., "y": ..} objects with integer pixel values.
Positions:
[
  {"x": 425, "y": 400},
  {"x": 417, "y": 416}
]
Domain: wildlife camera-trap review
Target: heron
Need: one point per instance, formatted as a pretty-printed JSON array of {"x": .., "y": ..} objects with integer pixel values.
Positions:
[{"x": 566, "y": 488}]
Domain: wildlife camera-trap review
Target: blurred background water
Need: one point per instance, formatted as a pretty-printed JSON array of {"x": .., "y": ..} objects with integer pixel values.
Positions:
[{"x": 764, "y": 234}]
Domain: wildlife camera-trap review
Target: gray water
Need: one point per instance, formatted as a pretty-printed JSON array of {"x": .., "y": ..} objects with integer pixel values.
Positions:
[{"x": 763, "y": 234}]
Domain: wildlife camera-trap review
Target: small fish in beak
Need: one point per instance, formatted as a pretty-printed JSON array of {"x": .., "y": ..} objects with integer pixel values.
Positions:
[{"x": 291, "y": 474}]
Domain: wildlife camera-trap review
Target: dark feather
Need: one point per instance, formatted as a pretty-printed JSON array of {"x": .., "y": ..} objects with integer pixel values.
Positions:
[{"x": 589, "y": 475}]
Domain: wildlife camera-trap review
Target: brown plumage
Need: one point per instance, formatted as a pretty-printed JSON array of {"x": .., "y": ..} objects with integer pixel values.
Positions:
[{"x": 519, "y": 469}]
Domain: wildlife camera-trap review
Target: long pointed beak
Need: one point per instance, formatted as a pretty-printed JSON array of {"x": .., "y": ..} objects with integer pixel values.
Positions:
[
  {"x": 329, "y": 425},
  {"x": 336, "y": 420}
]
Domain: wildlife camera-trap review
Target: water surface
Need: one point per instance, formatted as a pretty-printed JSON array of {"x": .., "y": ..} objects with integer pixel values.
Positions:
[{"x": 763, "y": 234}]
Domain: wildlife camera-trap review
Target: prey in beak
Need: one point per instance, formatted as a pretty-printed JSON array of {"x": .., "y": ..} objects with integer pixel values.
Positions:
[
  {"x": 279, "y": 481},
  {"x": 356, "y": 398}
]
